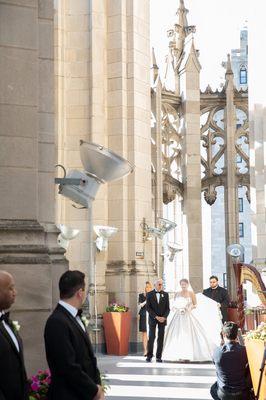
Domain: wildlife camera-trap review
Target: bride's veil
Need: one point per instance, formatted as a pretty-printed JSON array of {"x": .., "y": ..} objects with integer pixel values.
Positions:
[{"x": 209, "y": 316}]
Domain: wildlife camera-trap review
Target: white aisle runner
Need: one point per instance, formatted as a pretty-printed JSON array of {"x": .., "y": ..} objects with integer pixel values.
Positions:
[{"x": 132, "y": 378}]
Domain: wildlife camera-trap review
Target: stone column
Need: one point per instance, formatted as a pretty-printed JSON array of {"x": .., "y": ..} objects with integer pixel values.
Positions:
[
  {"x": 156, "y": 149},
  {"x": 129, "y": 200},
  {"x": 231, "y": 188},
  {"x": 190, "y": 95},
  {"x": 28, "y": 247},
  {"x": 257, "y": 118}
]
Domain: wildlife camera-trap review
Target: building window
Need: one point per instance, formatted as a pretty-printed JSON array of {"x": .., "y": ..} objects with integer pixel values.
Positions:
[
  {"x": 241, "y": 229},
  {"x": 243, "y": 76},
  {"x": 240, "y": 205},
  {"x": 239, "y": 159}
]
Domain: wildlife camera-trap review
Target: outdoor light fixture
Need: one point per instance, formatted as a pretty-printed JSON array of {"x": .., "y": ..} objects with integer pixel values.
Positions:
[
  {"x": 235, "y": 250},
  {"x": 103, "y": 234},
  {"x": 164, "y": 226},
  {"x": 173, "y": 249},
  {"x": 66, "y": 234},
  {"x": 100, "y": 166}
]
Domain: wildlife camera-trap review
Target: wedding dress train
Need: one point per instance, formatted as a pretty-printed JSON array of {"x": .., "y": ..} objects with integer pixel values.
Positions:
[{"x": 192, "y": 334}]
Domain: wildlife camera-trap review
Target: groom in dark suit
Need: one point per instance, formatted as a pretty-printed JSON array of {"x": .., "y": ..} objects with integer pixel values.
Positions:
[
  {"x": 74, "y": 372},
  {"x": 13, "y": 380},
  {"x": 157, "y": 304}
]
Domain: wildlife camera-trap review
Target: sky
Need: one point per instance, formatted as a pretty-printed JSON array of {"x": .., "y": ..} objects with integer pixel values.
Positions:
[{"x": 218, "y": 24}]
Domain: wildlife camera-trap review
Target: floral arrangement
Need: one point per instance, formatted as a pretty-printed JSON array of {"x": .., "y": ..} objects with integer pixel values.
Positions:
[
  {"x": 115, "y": 307},
  {"x": 259, "y": 310},
  {"x": 232, "y": 304},
  {"x": 259, "y": 333},
  {"x": 39, "y": 385}
]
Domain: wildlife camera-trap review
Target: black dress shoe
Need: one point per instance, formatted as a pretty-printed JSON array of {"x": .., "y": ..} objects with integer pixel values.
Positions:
[
  {"x": 148, "y": 359},
  {"x": 159, "y": 360}
]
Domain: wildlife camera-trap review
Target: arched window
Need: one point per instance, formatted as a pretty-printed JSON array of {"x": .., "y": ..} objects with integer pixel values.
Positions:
[{"x": 243, "y": 76}]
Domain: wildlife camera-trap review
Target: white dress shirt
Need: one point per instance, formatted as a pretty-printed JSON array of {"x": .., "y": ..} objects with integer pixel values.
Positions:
[
  {"x": 73, "y": 311},
  {"x": 10, "y": 332},
  {"x": 158, "y": 297}
]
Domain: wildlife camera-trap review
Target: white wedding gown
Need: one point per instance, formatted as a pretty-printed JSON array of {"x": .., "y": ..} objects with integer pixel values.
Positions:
[{"x": 192, "y": 334}]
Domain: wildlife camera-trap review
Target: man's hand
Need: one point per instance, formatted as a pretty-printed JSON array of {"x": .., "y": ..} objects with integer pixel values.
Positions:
[
  {"x": 99, "y": 394},
  {"x": 161, "y": 319}
]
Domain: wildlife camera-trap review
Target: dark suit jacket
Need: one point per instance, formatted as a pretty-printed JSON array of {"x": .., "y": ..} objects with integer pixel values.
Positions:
[
  {"x": 13, "y": 380},
  {"x": 143, "y": 309},
  {"x": 74, "y": 372},
  {"x": 154, "y": 308},
  {"x": 231, "y": 367},
  {"x": 220, "y": 295}
]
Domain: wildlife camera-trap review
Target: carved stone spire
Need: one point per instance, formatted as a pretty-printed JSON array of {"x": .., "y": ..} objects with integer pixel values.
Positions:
[
  {"x": 182, "y": 14},
  {"x": 229, "y": 70},
  {"x": 178, "y": 34}
]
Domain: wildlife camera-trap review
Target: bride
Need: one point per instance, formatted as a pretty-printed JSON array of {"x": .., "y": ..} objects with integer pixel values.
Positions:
[{"x": 193, "y": 329}]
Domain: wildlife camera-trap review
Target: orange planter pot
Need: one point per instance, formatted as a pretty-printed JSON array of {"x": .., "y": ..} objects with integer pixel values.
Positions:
[
  {"x": 232, "y": 314},
  {"x": 117, "y": 332},
  {"x": 255, "y": 351}
]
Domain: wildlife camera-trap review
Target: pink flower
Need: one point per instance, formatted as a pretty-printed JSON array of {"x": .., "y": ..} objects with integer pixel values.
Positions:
[{"x": 35, "y": 386}]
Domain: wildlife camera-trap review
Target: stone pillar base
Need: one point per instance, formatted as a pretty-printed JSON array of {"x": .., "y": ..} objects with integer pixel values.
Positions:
[{"x": 29, "y": 251}]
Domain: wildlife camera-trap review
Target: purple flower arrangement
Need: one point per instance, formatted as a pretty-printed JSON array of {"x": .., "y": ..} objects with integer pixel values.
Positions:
[{"x": 39, "y": 385}]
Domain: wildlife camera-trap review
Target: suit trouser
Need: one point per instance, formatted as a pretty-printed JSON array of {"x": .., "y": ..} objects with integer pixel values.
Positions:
[
  {"x": 218, "y": 394},
  {"x": 152, "y": 329}
]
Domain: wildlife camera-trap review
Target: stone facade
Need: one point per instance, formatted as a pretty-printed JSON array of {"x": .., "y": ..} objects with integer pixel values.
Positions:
[{"x": 28, "y": 246}]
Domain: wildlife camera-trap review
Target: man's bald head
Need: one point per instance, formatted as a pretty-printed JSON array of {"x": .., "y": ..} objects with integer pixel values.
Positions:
[{"x": 7, "y": 290}]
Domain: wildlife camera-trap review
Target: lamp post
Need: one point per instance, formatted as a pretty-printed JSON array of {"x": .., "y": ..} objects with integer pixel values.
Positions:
[{"x": 100, "y": 165}]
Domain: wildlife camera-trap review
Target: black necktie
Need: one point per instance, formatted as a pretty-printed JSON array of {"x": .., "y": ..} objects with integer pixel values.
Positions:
[
  {"x": 5, "y": 317},
  {"x": 79, "y": 313}
]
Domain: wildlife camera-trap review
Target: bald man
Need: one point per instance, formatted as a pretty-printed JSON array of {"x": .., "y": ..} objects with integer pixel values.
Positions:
[{"x": 13, "y": 380}]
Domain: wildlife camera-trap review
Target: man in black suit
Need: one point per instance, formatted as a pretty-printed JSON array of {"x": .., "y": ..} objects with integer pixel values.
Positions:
[
  {"x": 157, "y": 304},
  {"x": 13, "y": 379},
  {"x": 231, "y": 365},
  {"x": 74, "y": 372},
  {"x": 218, "y": 294}
]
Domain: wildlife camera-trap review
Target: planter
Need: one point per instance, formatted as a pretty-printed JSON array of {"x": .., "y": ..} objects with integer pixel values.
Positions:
[
  {"x": 117, "y": 332},
  {"x": 250, "y": 325},
  {"x": 232, "y": 314},
  {"x": 255, "y": 352}
]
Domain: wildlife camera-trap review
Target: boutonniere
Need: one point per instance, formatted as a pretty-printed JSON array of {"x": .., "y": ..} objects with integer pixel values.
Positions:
[
  {"x": 85, "y": 321},
  {"x": 15, "y": 326},
  {"x": 162, "y": 295}
]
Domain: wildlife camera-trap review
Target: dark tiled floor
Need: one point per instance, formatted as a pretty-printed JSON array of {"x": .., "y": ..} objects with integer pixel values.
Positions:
[{"x": 132, "y": 378}]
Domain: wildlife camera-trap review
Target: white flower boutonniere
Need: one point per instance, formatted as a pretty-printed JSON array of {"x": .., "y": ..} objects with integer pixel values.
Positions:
[
  {"x": 162, "y": 295},
  {"x": 85, "y": 321},
  {"x": 15, "y": 326}
]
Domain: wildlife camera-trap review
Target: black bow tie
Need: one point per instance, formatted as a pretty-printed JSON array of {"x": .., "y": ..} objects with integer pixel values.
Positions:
[
  {"x": 79, "y": 313},
  {"x": 5, "y": 317}
]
